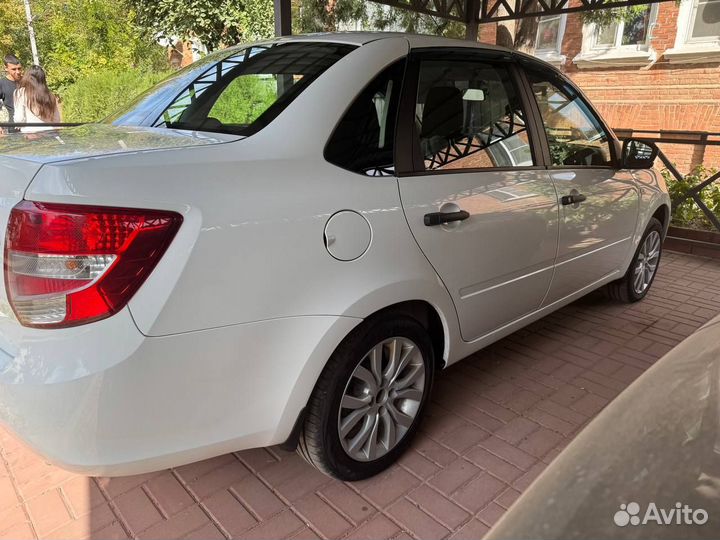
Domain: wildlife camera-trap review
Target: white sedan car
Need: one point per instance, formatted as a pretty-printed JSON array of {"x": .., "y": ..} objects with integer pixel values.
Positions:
[{"x": 283, "y": 242}]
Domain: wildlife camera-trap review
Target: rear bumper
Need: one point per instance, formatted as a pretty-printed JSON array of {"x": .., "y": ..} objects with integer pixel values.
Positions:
[{"x": 104, "y": 399}]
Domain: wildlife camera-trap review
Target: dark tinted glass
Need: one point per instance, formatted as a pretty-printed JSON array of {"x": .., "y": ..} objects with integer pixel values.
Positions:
[
  {"x": 363, "y": 139},
  {"x": 469, "y": 116},
  {"x": 244, "y": 92}
]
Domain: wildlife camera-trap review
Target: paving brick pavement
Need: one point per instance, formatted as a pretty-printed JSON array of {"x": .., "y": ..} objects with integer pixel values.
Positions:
[{"x": 496, "y": 420}]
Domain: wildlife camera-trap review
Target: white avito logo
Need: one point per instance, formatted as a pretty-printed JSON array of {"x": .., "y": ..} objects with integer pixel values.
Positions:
[{"x": 629, "y": 514}]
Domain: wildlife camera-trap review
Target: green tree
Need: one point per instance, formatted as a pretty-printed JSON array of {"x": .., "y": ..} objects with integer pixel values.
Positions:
[
  {"x": 80, "y": 37},
  {"x": 12, "y": 26},
  {"x": 97, "y": 95},
  {"x": 215, "y": 23},
  {"x": 245, "y": 99},
  {"x": 687, "y": 213},
  {"x": 333, "y": 15},
  {"x": 383, "y": 18},
  {"x": 325, "y": 15}
]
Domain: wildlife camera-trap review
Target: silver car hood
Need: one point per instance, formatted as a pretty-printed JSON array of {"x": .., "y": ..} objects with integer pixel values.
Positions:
[
  {"x": 93, "y": 140},
  {"x": 657, "y": 444}
]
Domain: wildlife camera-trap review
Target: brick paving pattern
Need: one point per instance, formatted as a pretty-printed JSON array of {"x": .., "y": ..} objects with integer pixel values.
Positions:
[{"x": 496, "y": 420}]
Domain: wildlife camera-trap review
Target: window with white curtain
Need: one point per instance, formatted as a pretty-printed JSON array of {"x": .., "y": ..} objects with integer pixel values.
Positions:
[
  {"x": 698, "y": 33},
  {"x": 549, "y": 37},
  {"x": 704, "y": 21}
]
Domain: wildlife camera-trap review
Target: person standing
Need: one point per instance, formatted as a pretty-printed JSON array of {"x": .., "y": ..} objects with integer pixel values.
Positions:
[
  {"x": 35, "y": 103},
  {"x": 8, "y": 84}
]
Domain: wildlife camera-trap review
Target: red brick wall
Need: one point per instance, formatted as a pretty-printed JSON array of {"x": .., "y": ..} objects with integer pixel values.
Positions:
[
  {"x": 487, "y": 33},
  {"x": 663, "y": 96},
  {"x": 181, "y": 54}
]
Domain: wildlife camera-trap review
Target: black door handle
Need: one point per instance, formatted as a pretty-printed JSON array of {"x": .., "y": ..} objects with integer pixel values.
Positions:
[
  {"x": 573, "y": 199},
  {"x": 437, "y": 218}
]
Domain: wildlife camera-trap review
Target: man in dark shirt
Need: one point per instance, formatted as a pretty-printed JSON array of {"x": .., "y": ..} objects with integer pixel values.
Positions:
[{"x": 8, "y": 84}]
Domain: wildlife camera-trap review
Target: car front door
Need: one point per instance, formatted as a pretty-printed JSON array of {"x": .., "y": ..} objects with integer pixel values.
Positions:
[
  {"x": 481, "y": 208},
  {"x": 598, "y": 203}
]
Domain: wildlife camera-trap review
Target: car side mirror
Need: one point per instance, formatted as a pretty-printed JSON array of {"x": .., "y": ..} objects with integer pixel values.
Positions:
[{"x": 638, "y": 154}]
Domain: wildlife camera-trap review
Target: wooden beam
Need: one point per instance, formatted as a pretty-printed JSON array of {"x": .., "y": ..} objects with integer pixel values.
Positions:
[
  {"x": 472, "y": 14},
  {"x": 283, "y": 18}
]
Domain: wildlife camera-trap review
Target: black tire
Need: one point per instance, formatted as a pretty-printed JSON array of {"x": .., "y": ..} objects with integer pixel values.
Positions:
[
  {"x": 623, "y": 290},
  {"x": 320, "y": 443}
]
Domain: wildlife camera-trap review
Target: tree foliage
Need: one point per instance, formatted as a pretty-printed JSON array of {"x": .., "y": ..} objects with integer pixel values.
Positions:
[
  {"x": 687, "y": 213},
  {"x": 97, "y": 95},
  {"x": 226, "y": 22},
  {"x": 333, "y": 15},
  {"x": 605, "y": 17},
  {"x": 326, "y": 15},
  {"x": 79, "y": 37},
  {"x": 245, "y": 99},
  {"x": 387, "y": 18},
  {"x": 12, "y": 25},
  {"x": 214, "y": 23}
]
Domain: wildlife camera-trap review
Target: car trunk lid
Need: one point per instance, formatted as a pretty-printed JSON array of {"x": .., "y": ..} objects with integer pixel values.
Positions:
[
  {"x": 23, "y": 155},
  {"x": 95, "y": 140}
]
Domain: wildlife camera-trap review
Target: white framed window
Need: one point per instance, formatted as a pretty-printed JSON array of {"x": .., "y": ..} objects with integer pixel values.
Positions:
[
  {"x": 698, "y": 34},
  {"x": 549, "y": 37},
  {"x": 704, "y": 24},
  {"x": 550, "y": 33},
  {"x": 633, "y": 34},
  {"x": 620, "y": 43}
]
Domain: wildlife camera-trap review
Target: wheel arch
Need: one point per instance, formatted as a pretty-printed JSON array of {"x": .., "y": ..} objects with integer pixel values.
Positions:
[
  {"x": 429, "y": 317},
  {"x": 654, "y": 203},
  {"x": 662, "y": 214},
  {"x": 441, "y": 326}
]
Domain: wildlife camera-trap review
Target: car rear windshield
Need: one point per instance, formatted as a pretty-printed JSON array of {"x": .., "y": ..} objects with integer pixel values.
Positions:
[{"x": 241, "y": 92}]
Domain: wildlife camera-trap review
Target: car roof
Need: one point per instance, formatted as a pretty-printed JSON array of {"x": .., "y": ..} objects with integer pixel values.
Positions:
[{"x": 415, "y": 40}]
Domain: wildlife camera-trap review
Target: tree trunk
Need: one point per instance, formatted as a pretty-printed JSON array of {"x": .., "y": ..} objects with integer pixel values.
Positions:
[
  {"x": 330, "y": 19},
  {"x": 526, "y": 30}
]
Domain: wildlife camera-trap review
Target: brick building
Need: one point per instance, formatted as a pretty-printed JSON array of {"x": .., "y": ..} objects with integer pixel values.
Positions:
[{"x": 659, "y": 71}]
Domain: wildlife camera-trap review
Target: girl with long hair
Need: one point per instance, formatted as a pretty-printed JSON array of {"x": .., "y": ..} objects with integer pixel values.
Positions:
[{"x": 34, "y": 102}]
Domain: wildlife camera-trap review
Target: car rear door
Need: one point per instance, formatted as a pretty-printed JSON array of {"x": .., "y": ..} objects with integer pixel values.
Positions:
[
  {"x": 598, "y": 202},
  {"x": 477, "y": 200}
]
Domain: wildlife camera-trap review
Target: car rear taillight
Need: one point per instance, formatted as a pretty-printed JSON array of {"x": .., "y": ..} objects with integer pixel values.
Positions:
[{"x": 67, "y": 265}]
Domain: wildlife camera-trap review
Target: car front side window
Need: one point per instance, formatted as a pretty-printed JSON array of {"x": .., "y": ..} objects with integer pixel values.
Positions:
[{"x": 575, "y": 135}]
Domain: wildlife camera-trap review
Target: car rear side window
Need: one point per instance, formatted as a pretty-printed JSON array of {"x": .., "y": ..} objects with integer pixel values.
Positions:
[
  {"x": 363, "y": 140},
  {"x": 468, "y": 115},
  {"x": 244, "y": 92}
]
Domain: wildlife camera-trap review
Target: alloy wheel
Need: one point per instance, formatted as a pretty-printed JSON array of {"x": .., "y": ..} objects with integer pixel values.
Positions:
[
  {"x": 381, "y": 399},
  {"x": 647, "y": 262}
]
